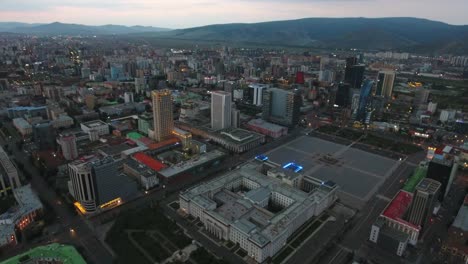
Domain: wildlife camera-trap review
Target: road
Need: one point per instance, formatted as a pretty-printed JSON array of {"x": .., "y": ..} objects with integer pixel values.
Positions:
[{"x": 82, "y": 235}]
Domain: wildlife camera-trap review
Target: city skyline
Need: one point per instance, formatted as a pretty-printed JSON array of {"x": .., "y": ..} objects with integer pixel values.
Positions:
[{"x": 205, "y": 12}]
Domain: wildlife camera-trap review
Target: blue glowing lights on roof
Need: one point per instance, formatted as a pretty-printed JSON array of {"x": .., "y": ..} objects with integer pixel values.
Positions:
[
  {"x": 261, "y": 158},
  {"x": 293, "y": 166}
]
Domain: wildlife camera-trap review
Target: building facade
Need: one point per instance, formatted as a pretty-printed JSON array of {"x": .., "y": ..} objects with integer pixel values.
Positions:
[
  {"x": 163, "y": 122},
  {"x": 221, "y": 107},
  {"x": 68, "y": 146},
  {"x": 385, "y": 83},
  {"x": 281, "y": 107}
]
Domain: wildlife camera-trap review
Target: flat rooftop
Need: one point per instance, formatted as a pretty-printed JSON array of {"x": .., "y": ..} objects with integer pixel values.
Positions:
[
  {"x": 191, "y": 163},
  {"x": 64, "y": 253},
  {"x": 358, "y": 173},
  {"x": 396, "y": 209},
  {"x": 94, "y": 123}
]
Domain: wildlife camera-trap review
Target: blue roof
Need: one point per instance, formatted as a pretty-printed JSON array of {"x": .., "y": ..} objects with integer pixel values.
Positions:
[{"x": 27, "y": 108}]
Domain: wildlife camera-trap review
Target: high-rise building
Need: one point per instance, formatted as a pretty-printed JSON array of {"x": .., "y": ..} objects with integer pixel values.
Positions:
[
  {"x": 163, "y": 122},
  {"x": 424, "y": 201},
  {"x": 97, "y": 184},
  {"x": 44, "y": 135},
  {"x": 444, "y": 171},
  {"x": 235, "y": 118},
  {"x": 281, "y": 106},
  {"x": 343, "y": 95},
  {"x": 256, "y": 92},
  {"x": 68, "y": 146},
  {"x": 354, "y": 72},
  {"x": 221, "y": 107},
  {"x": 140, "y": 85},
  {"x": 364, "y": 100},
  {"x": 385, "y": 83}
]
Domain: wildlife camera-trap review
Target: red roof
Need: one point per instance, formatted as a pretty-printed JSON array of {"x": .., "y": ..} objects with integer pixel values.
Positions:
[
  {"x": 149, "y": 161},
  {"x": 398, "y": 206},
  {"x": 440, "y": 150},
  {"x": 163, "y": 143}
]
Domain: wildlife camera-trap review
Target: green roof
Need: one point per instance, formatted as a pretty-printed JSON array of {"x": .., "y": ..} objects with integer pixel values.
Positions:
[
  {"x": 134, "y": 135},
  {"x": 412, "y": 182},
  {"x": 65, "y": 253}
]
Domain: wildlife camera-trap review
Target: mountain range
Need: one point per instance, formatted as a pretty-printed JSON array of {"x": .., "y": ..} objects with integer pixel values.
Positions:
[
  {"x": 58, "y": 28},
  {"x": 403, "y": 33}
]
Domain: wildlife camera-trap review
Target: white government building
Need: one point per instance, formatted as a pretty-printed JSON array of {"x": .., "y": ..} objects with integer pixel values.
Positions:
[{"x": 257, "y": 206}]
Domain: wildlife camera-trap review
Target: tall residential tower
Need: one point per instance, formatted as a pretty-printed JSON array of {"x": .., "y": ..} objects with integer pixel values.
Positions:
[
  {"x": 221, "y": 107},
  {"x": 163, "y": 122}
]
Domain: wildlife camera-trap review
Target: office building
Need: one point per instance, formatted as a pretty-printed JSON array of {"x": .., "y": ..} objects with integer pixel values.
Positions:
[
  {"x": 96, "y": 184},
  {"x": 238, "y": 206},
  {"x": 97, "y": 126},
  {"x": 68, "y": 146},
  {"x": 281, "y": 107},
  {"x": 256, "y": 93},
  {"x": 145, "y": 122},
  {"x": 9, "y": 178},
  {"x": 128, "y": 97},
  {"x": 235, "y": 118},
  {"x": 364, "y": 100},
  {"x": 163, "y": 122},
  {"x": 44, "y": 135},
  {"x": 390, "y": 230},
  {"x": 221, "y": 107},
  {"x": 444, "y": 171},
  {"x": 385, "y": 83},
  {"x": 354, "y": 73},
  {"x": 424, "y": 201},
  {"x": 140, "y": 85},
  {"x": 343, "y": 95}
]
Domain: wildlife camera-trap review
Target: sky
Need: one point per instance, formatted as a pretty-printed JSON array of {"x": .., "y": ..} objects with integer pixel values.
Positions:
[{"x": 190, "y": 13}]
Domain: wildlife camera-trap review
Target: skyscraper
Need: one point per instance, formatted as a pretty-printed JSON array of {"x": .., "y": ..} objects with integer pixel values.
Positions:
[
  {"x": 444, "y": 171},
  {"x": 424, "y": 200},
  {"x": 281, "y": 106},
  {"x": 354, "y": 73},
  {"x": 343, "y": 95},
  {"x": 68, "y": 145},
  {"x": 163, "y": 122},
  {"x": 221, "y": 107},
  {"x": 385, "y": 83},
  {"x": 364, "y": 100}
]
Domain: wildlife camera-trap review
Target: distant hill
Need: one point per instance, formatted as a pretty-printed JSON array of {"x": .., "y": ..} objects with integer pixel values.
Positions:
[
  {"x": 58, "y": 28},
  {"x": 362, "y": 33}
]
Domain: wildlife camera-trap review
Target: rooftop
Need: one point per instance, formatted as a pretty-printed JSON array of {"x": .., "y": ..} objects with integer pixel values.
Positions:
[
  {"x": 149, "y": 161},
  {"x": 191, "y": 163},
  {"x": 396, "y": 209},
  {"x": 242, "y": 210},
  {"x": 62, "y": 253},
  {"x": 267, "y": 125},
  {"x": 419, "y": 174},
  {"x": 94, "y": 123}
]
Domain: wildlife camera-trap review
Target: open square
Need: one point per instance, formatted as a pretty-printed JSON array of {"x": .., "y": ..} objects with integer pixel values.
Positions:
[{"x": 358, "y": 173}]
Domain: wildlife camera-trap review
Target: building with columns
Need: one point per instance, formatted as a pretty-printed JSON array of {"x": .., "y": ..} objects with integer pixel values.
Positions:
[{"x": 257, "y": 206}]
